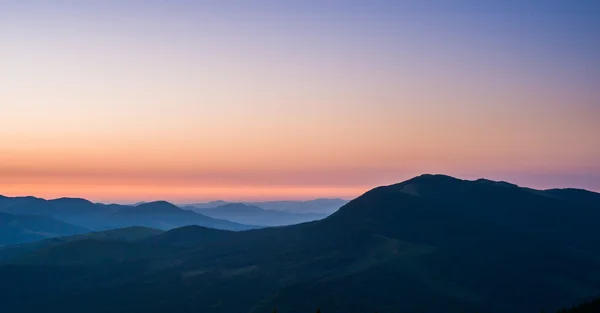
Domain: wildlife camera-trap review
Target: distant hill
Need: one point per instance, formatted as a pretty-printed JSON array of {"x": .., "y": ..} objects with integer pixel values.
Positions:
[
  {"x": 433, "y": 243},
  {"x": 71, "y": 210},
  {"x": 190, "y": 236},
  {"x": 127, "y": 234},
  {"x": 207, "y": 205},
  {"x": 164, "y": 215},
  {"x": 318, "y": 206},
  {"x": 95, "y": 216},
  {"x": 26, "y": 228},
  {"x": 253, "y": 215},
  {"x": 323, "y": 206}
]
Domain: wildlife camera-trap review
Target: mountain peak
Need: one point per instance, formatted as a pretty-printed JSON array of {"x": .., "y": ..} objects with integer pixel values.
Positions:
[
  {"x": 71, "y": 200},
  {"x": 158, "y": 207},
  {"x": 428, "y": 184},
  {"x": 157, "y": 203},
  {"x": 439, "y": 184},
  {"x": 434, "y": 178},
  {"x": 238, "y": 207}
]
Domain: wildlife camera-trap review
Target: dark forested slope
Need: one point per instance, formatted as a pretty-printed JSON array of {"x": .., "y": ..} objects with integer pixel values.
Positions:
[{"x": 432, "y": 244}]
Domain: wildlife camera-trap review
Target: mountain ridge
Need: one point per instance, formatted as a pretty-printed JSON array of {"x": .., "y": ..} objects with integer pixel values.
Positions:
[
  {"x": 254, "y": 215},
  {"x": 320, "y": 205},
  {"x": 25, "y": 228},
  {"x": 81, "y": 212},
  {"x": 446, "y": 245}
]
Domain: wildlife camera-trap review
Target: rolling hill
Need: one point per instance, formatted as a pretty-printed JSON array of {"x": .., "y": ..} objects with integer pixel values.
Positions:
[
  {"x": 25, "y": 228},
  {"x": 432, "y": 244},
  {"x": 127, "y": 234}
]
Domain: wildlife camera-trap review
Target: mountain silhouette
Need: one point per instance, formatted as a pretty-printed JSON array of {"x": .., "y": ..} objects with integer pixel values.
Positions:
[
  {"x": 189, "y": 236},
  {"x": 253, "y": 215},
  {"x": 99, "y": 217},
  {"x": 26, "y": 228},
  {"x": 317, "y": 206},
  {"x": 164, "y": 215},
  {"x": 156, "y": 207},
  {"x": 433, "y": 243},
  {"x": 127, "y": 234}
]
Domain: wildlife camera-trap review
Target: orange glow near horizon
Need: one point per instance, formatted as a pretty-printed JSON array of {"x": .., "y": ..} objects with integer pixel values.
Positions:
[
  {"x": 191, "y": 102},
  {"x": 178, "y": 194}
]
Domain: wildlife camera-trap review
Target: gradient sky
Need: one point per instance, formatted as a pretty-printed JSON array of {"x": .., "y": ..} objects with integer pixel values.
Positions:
[{"x": 201, "y": 100}]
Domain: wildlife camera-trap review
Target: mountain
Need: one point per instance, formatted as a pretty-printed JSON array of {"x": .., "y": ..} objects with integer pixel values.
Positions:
[
  {"x": 127, "y": 234},
  {"x": 190, "y": 236},
  {"x": 322, "y": 206},
  {"x": 207, "y": 205},
  {"x": 71, "y": 210},
  {"x": 99, "y": 217},
  {"x": 318, "y": 206},
  {"x": 253, "y": 215},
  {"x": 164, "y": 215},
  {"x": 38, "y": 206},
  {"x": 433, "y": 244},
  {"x": 577, "y": 195},
  {"x": 26, "y": 228}
]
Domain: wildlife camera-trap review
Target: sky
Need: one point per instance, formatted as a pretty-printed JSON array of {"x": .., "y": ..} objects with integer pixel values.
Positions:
[{"x": 123, "y": 101}]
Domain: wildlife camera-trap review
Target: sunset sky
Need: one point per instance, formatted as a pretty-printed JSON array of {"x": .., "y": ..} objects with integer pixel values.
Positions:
[{"x": 123, "y": 101}]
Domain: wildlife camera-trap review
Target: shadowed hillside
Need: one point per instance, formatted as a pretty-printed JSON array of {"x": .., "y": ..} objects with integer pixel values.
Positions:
[
  {"x": 128, "y": 234},
  {"x": 432, "y": 244},
  {"x": 26, "y": 228}
]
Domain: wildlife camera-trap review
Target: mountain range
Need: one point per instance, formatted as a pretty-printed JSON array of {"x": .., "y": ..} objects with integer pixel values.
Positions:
[
  {"x": 253, "y": 215},
  {"x": 94, "y": 216},
  {"x": 51, "y": 217},
  {"x": 433, "y": 243},
  {"x": 318, "y": 206},
  {"x": 165, "y": 215},
  {"x": 25, "y": 228}
]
